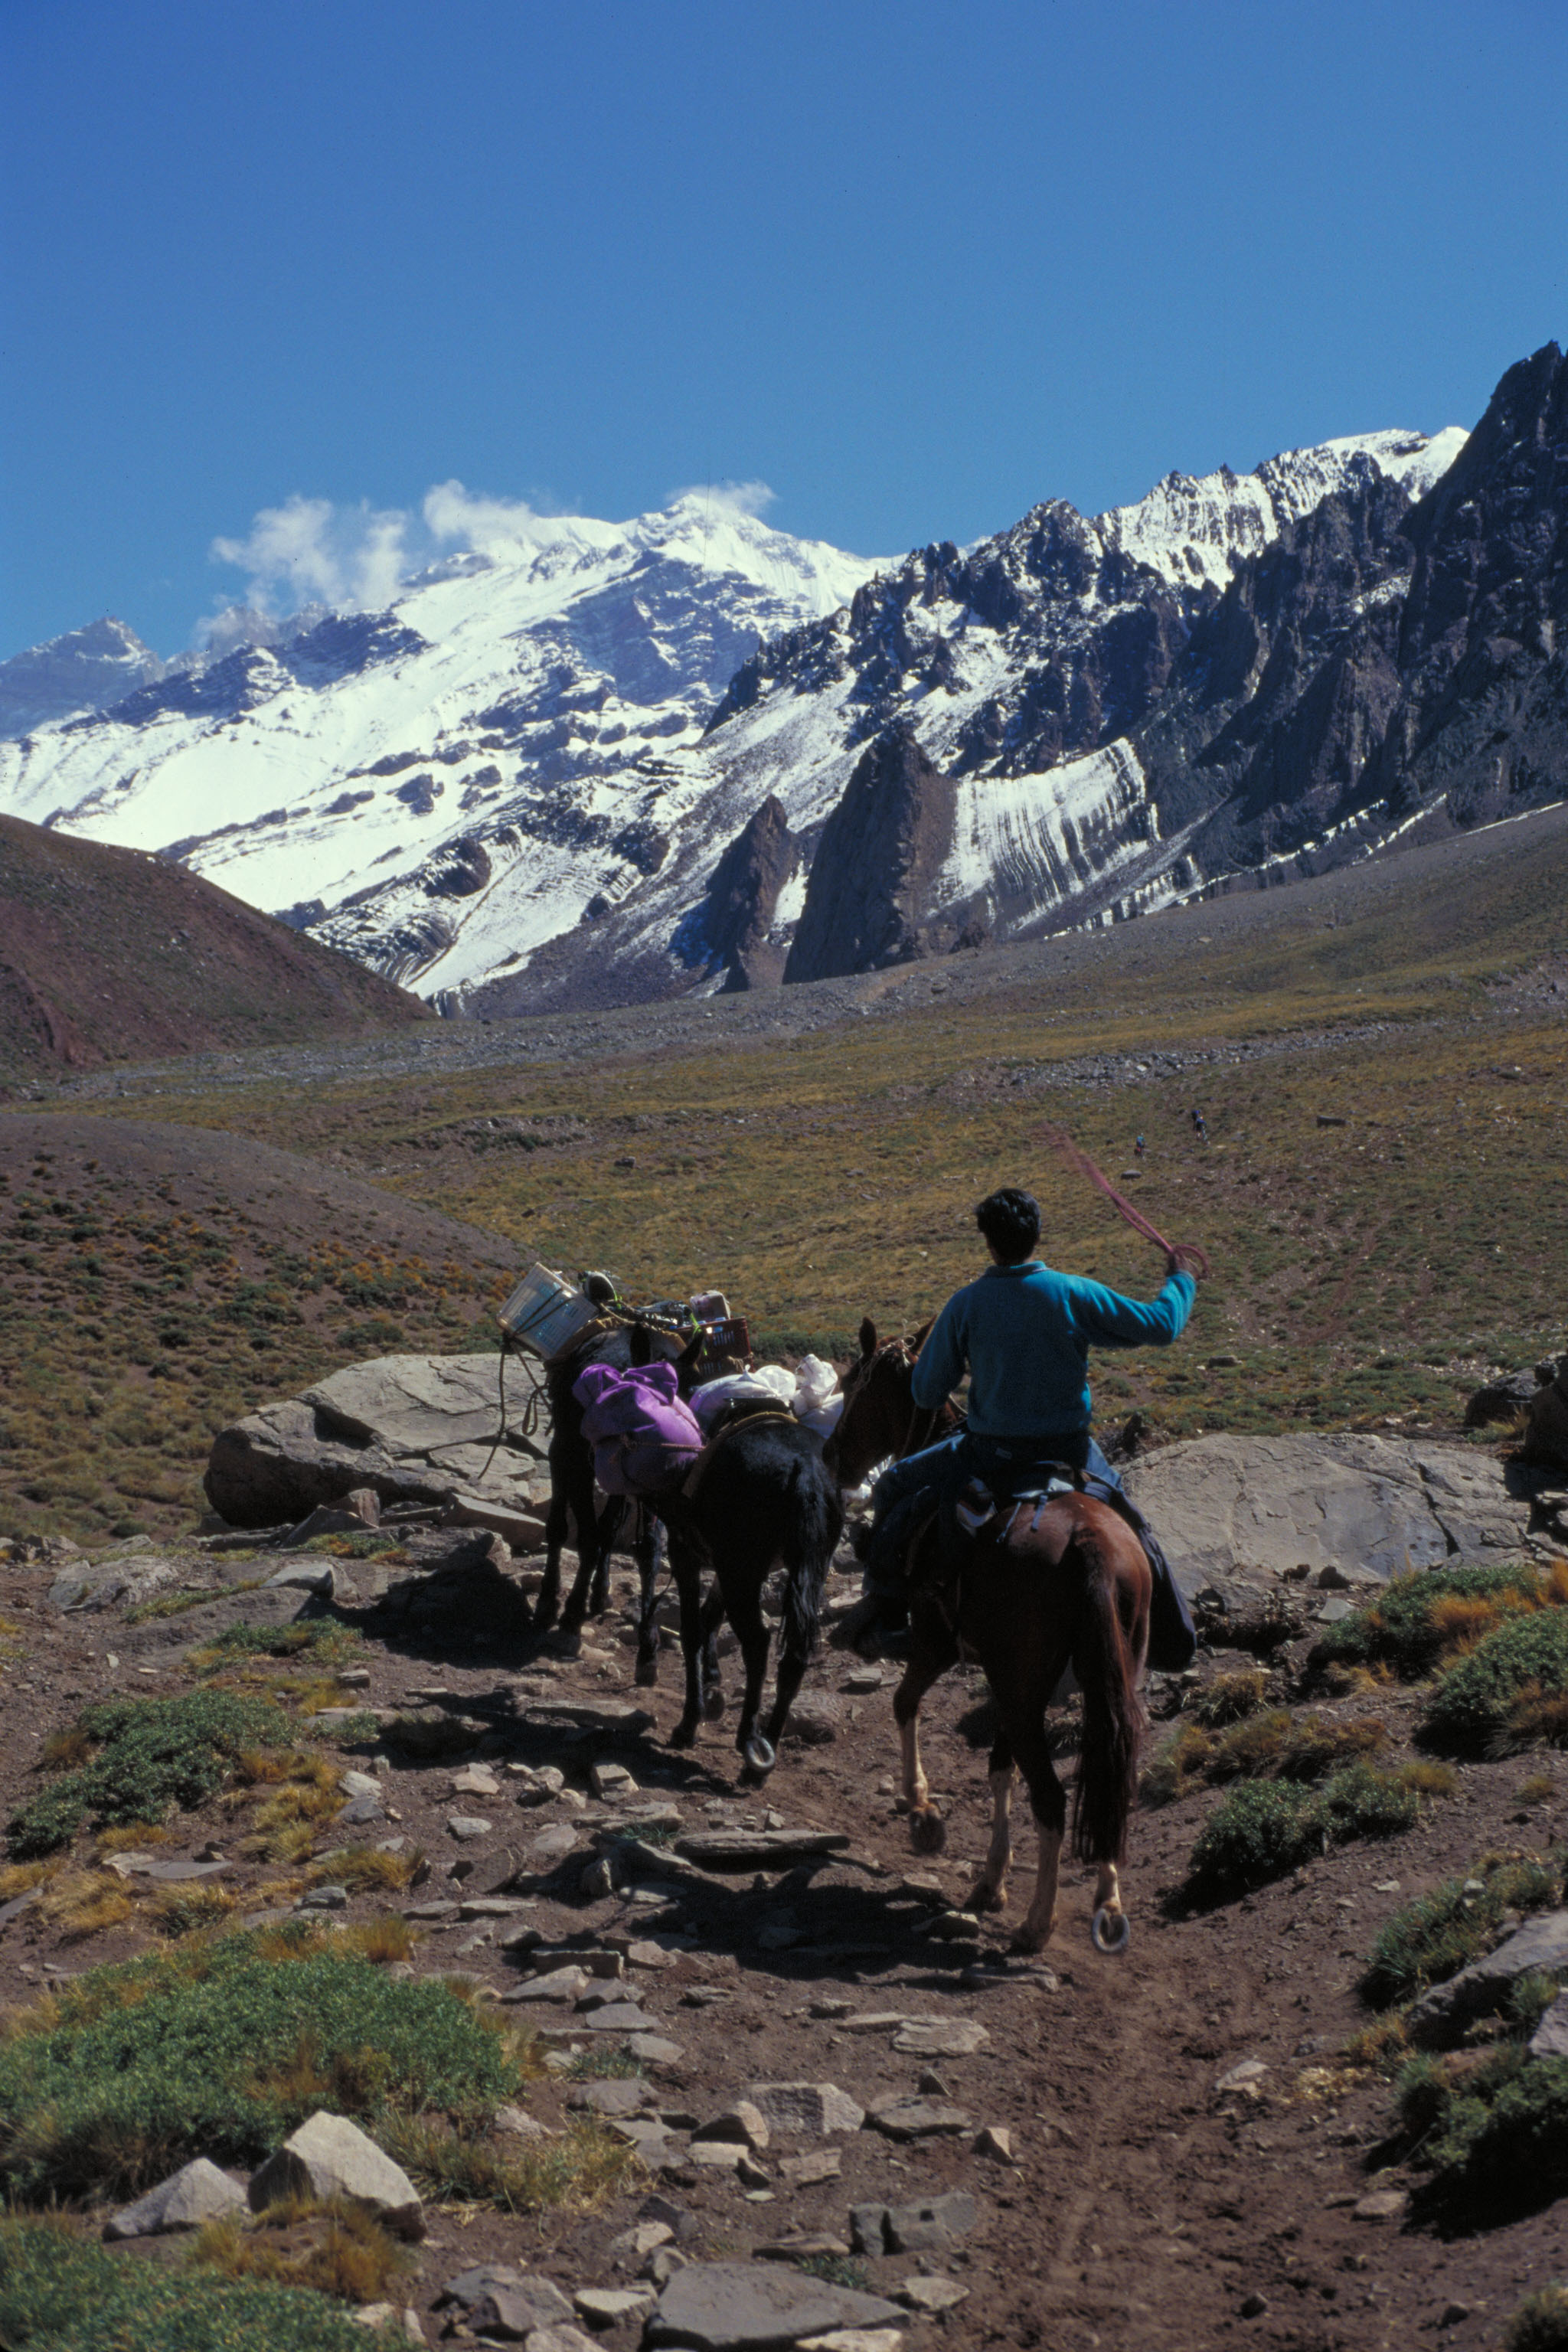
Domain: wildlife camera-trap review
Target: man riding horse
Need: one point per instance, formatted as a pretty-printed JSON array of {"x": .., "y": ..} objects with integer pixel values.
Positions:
[{"x": 1023, "y": 1332}]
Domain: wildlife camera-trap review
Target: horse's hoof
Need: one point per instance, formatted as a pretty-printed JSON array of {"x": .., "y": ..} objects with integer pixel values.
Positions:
[
  {"x": 544, "y": 1614},
  {"x": 1110, "y": 1932},
  {"x": 928, "y": 1831},
  {"x": 714, "y": 1703},
  {"x": 985, "y": 1897},
  {"x": 684, "y": 1734},
  {"x": 1026, "y": 1941},
  {"x": 646, "y": 1674},
  {"x": 760, "y": 1755}
]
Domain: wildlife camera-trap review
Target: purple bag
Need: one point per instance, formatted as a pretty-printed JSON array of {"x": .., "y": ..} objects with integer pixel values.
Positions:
[{"x": 644, "y": 1438}]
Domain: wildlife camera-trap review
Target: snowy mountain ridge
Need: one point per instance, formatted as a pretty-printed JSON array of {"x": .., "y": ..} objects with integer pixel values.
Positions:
[{"x": 519, "y": 776}]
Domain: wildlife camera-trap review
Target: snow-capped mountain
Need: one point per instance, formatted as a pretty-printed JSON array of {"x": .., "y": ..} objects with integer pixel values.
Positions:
[
  {"x": 495, "y": 745},
  {"x": 87, "y": 669},
  {"x": 602, "y": 764}
]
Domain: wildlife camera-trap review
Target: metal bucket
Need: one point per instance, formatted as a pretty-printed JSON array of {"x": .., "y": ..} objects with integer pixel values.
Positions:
[{"x": 545, "y": 1312}]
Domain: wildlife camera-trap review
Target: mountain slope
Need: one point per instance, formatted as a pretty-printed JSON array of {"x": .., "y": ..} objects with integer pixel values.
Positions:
[
  {"x": 505, "y": 727},
  {"x": 87, "y": 669},
  {"x": 107, "y": 954}
]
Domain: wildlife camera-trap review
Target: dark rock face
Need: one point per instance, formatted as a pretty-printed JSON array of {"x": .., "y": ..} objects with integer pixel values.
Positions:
[
  {"x": 1483, "y": 639},
  {"x": 462, "y": 870},
  {"x": 880, "y": 852},
  {"x": 742, "y": 895}
]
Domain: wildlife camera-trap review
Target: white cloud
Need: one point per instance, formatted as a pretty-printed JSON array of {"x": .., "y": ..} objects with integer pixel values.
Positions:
[
  {"x": 741, "y": 498},
  {"x": 309, "y": 551},
  {"x": 310, "y": 554}
]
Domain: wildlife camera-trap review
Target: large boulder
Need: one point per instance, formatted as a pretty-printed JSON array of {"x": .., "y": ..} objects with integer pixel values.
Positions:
[
  {"x": 1361, "y": 1505},
  {"x": 414, "y": 1428},
  {"x": 330, "y": 2156}
]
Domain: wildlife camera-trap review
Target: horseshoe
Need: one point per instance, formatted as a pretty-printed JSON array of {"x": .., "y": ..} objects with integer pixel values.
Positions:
[{"x": 1110, "y": 1933}]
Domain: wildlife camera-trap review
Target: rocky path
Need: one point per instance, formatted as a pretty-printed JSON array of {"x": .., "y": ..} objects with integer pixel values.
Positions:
[{"x": 829, "y": 2072}]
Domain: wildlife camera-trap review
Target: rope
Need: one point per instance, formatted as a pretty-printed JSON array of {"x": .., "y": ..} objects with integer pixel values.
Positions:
[
  {"x": 530, "y": 1420},
  {"x": 1187, "y": 1255}
]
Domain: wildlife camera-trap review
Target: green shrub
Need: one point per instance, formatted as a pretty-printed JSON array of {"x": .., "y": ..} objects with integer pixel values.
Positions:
[
  {"x": 155, "y": 1757},
  {"x": 1540, "y": 2322},
  {"x": 1418, "y": 1620},
  {"x": 220, "y": 2051},
  {"x": 1494, "y": 2136},
  {"x": 1432, "y": 1939},
  {"x": 1266, "y": 1828},
  {"x": 59, "y": 2293},
  {"x": 1273, "y": 1746},
  {"x": 1510, "y": 1692}
]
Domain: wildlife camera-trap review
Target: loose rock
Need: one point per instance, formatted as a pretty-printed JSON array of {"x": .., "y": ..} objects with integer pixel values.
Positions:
[
  {"x": 753, "y": 2307},
  {"x": 330, "y": 2156},
  {"x": 198, "y": 2192},
  {"x": 817, "y": 2109}
]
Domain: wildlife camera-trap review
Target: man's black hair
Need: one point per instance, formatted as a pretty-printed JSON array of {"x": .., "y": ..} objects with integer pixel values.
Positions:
[{"x": 1010, "y": 1221}]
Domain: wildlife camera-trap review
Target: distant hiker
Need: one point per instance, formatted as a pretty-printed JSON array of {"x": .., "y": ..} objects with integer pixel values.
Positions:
[
  {"x": 1023, "y": 1332},
  {"x": 1199, "y": 1129}
]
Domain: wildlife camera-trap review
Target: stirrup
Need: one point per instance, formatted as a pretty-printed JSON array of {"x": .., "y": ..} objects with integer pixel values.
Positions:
[{"x": 975, "y": 1506}]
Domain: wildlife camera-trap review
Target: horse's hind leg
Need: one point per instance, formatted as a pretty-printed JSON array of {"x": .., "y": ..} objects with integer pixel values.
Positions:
[
  {"x": 611, "y": 1521},
  {"x": 989, "y": 1891},
  {"x": 547, "y": 1608},
  {"x": 708, "y": 1656},
  {"x": 1024, "y": 1729}
]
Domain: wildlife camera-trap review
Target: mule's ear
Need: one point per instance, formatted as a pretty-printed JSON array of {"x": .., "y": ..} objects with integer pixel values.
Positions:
[
  {"x": 867, "y": 1338},
  {"x": 921, "y": 1335},
  {"x": 691, "y": 1355},
  {"x": 641, "y": 1344}
]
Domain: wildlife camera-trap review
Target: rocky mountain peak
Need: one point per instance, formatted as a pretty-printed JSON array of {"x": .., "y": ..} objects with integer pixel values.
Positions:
[{"x": 880, "y": 853}]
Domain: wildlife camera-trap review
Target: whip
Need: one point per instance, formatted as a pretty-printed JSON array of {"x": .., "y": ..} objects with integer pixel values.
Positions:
[{"x": 1187, "y": 1255}]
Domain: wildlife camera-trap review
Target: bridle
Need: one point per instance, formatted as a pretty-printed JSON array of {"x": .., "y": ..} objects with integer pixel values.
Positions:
[{"x": 923, "y": 1419}]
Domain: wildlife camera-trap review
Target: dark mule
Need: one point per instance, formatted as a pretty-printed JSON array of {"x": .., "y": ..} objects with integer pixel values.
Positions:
[
  {"x": 572, "y": 1492},
  {"x": 1045, "y": 1587},
  {"x": 763, "y": 1501}
]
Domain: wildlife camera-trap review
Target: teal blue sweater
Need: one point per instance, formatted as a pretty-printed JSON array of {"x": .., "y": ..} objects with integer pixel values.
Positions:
[{"x": 1023, "y": 1333}]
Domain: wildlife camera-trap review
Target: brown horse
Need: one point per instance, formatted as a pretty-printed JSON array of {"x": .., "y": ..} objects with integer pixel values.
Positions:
[{"x": 1043, "y": 1587}]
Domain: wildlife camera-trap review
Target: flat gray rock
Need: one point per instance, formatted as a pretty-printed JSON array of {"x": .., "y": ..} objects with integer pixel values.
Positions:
[
  {"x": 1224, "y": 1504},
  {"x": 814, "y": 2109},
  {"x": 907, "y": 2119},
  {"x": 931, "y": 2226},
  {"x": 198, "y": 2192},
  {"x": 759, "y": 1849},
  {"x": 932, "y": 2037},
  {"x": 756, "y": 2307},
  {"x": 412, "y": 1404},
  {"x": 497, "y": 2299}
]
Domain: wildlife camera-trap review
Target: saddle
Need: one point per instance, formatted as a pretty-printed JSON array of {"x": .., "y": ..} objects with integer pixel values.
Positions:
[{"x": 742, "y": 1410}]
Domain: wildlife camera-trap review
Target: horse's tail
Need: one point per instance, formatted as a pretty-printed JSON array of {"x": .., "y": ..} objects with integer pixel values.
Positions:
[
  {"x": 1112, "y": 1712},
  {"x": 815, "y": 1521}
]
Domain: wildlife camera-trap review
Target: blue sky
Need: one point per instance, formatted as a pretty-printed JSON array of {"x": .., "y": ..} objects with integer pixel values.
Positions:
[{"x": 914, "y": 266}]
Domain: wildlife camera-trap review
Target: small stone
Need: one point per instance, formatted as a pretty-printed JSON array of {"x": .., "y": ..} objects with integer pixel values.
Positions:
[
  {"x": 497, "y": 2299},
  {"x": 603, "y": 1990},
  {"x": 907, "y": 2119},
  {"x": 645, "y": 2239},
  {"x": 931, "y": 2227},
  {"x": 616, "y": 2017},
  {"x": 933, "y": 2295},
  {"x": 553, "y": 1847},
  {"x": 805, "y": 2171},
  {"x": 1382, "y": 2205},
  {"x": 475, "y": 1780},
  {"x": 606, "y": 2306},
  {"x": 656, "y": 2050},
  {"x": 880, "y": 2021},
  {"x": 518, "y": 2121},
  {"x": 1254, "y": 2307},
  {"x": 198, "y": 2192},
  {"x": 716, "y": 2155},
  {"x": 743, "y": 2121},
  {"x": 361, "y": 1784},
  {"x": 611, "y": 1780},
  {"x": 932, "y": 2037},
  {"x": 1549, "y": 2039},
  {"x": 824, "y": 2009},
  {"x": 597, "y": 1881},
  {"x": 387, "y": 2314},
  {"x": 1243, "y": 2076},
  {"x": 862, "y": 1679},
  {"x": 491, "y": 1906},
  {"x": 995, "y": 2140},
  {"x": 815, "y": 2109},
  {"x": 467, "y": 1825},
  {"x": 431, "y": 1911},
  {"x": 361, "y": 1811},
  {"x": 646, "y": 1954},
  {"x": 324, "y": 1898},
  {"x": 954, "y": 1927},
  {"x": 751, "y": 2175},
  {"x": 562, "y": 1985},
  {"x": 1453, "y": 2313},
  {"x": 622, "y": 2095},
  {"x": 558, "y": 2339},
  {"x": 929, "y": 2085}
]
